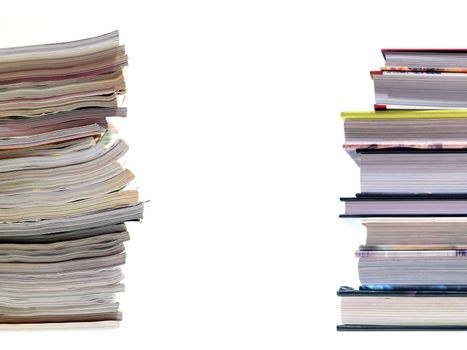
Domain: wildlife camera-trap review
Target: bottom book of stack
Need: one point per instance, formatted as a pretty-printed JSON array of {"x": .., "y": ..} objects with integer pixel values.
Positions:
[{"x": 404, "y": 309}]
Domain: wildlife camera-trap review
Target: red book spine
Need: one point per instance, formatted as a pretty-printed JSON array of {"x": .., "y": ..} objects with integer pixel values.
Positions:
[
  {"x": 375, "y": 72},
  {"x": 379, "y": 107}
]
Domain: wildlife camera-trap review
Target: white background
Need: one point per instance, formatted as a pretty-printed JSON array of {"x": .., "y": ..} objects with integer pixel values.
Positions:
[{"x": 235, "y": 139}]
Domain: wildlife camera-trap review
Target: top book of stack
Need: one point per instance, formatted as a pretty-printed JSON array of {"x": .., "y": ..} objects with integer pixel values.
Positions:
[{"x": 422, "y": 79}]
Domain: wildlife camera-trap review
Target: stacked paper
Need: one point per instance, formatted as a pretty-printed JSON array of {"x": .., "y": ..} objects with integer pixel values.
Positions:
[{"x": 63, "y": 190}]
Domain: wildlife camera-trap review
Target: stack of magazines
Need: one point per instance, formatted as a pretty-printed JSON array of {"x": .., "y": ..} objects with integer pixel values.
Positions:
[
  {"x": 64, "y": 198},
  {"x": 412, "y": 154}
]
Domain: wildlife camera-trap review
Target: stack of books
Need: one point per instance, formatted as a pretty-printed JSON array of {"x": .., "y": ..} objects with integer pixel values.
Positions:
[
  {"x": 63, "y": 189},
  {"x": 412, "y": 154}
]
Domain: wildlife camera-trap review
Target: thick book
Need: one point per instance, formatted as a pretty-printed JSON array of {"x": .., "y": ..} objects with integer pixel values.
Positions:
[
  {"x": 404, "y": 129},
  {"x": 406, "y": 233},
  {"x": 413, "y": 171},
  {"x": 403, "y": 267},
  {"x": 402, "y": 310},
  {"x": 419, "y": 90}
]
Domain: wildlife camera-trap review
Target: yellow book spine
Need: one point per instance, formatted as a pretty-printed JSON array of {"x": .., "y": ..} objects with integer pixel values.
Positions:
[{"x": 396, "y": 114}]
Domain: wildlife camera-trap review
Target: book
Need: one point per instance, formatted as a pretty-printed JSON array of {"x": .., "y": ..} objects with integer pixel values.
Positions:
[
  {"x": 402, "y": 310},
  {"x": 427, "y": 59},
  {"x": 401, "y": 130},
  {"x": 419, "y": 90},
  {"x": 405, "y": 171},
  {"x": 405, "y": 206}
]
